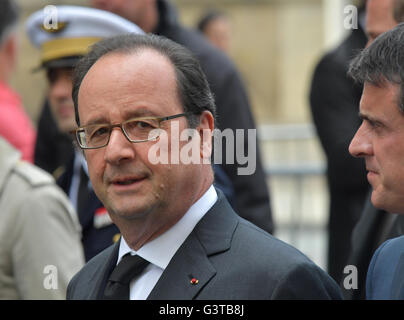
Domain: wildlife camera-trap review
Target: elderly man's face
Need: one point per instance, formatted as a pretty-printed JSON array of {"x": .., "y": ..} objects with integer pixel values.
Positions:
[
  {"x": 119, "y": 87},
  {"x": 380, "y": 141},
  {"x": 60, "y": 98}
]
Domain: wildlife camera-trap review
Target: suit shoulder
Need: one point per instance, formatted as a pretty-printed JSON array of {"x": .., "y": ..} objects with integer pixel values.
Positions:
[
  {"x": 390, "y": 251},
  {"x": 288, "y": 272},
  {"x": 88, "y": 276},
  {"x": 382, "y": 268},
  {"x": 259, "y": 242},
  {"x": 393, "y": 245}
]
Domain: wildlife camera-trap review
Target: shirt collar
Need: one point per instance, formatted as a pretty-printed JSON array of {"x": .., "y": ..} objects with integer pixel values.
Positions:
[{"x": 159, "y": 251}]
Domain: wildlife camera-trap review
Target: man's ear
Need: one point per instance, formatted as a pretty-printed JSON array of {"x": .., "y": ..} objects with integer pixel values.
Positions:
[{"x": 205, "y": 131}]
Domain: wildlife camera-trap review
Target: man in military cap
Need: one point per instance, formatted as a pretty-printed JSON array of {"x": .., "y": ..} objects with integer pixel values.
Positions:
[{"x": 62, "y": 42}]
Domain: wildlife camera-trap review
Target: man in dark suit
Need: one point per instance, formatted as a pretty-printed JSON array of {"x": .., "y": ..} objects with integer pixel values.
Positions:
[
  {"x": 134, "y": 97},
  {"x": 375, "y": 225},
  {"x": 379, "y": 141}
]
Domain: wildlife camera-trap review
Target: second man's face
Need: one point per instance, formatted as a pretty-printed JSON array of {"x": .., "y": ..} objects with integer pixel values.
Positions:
[
  {"x": 380, "y": 141},
  {"x": 60, "y": 98}
]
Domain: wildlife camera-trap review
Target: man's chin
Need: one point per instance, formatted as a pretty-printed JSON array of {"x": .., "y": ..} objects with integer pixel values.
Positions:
[
  {"x": 384, "y": 202},
  {"x": 130, "y": 214}
]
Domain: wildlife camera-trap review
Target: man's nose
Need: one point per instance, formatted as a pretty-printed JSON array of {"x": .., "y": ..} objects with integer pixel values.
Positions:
[
  {"x": 119, "y": 148},
  {"x": 361, "y": 145}
]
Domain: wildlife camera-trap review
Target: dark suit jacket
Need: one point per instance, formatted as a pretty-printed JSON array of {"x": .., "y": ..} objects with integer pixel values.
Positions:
[
  {"x": 385, "y": 279},
  {"x": 231, "y": 258},
  {"x": 374, "y": 227},
  {"x": 334, "y": 101}
]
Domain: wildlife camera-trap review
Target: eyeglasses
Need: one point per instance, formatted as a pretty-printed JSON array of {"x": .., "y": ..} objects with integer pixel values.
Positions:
[{"x": 135, "y": 130}]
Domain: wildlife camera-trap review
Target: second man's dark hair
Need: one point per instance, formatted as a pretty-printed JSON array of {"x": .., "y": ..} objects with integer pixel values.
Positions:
[{"x": 382, "y": 62}]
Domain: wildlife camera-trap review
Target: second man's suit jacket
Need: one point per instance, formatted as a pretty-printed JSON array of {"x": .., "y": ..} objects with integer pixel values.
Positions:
[
  {"x": 231, "y": 258},
  {"x": 373, "y": 228},
  {"x": 385, "y": 278}
]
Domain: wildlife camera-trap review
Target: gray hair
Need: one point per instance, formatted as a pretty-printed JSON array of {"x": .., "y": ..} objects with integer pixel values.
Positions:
[
  {"x": 193, "y": 87},
  {"x": 382, "y": 62}
]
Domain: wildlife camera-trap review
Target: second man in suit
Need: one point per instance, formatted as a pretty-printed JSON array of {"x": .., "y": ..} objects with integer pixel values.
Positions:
[{"x": 379, "y": 140}]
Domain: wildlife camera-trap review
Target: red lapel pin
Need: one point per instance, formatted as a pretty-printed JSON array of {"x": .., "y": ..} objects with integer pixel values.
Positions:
[{"x": 194, "y": 281}]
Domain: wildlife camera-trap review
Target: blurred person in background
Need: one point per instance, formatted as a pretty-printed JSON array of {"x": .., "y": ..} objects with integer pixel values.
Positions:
[
  {"x": 215, "y": 26},
  {"x": 15, "y": 125},
  {"x": 334, "y": 102},
  {"x": 61, "y": 47},
  {"x": 251, "y": 194}
]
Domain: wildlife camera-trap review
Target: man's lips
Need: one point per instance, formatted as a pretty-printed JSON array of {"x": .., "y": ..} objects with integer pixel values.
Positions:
[
  {"x": 371, "y": 174},
  {"x": 124, "y": 181},
  {"x": 127, "y": 180}
]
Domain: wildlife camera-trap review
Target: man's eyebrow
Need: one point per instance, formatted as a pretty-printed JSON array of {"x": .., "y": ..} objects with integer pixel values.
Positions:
[
  {"x": 99, "y": 120},
  {"x": 134, "y": 113},
  {"x": 369, "y": 118},
  {"x": 139, "y": 112}
]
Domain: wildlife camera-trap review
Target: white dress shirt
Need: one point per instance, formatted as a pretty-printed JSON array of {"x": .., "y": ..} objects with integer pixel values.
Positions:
[{"x": 159, "y": 251}]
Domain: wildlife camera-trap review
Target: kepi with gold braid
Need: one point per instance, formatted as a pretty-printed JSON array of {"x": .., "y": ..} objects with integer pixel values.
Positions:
[{"x": 72, "y": 32}]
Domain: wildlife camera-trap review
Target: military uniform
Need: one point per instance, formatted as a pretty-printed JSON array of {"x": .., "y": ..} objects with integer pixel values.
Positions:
[{"x": 39, "y": 230}]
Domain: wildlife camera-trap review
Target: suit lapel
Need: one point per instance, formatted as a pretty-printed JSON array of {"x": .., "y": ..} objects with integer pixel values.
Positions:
[
  {"x": 189, "y": 262},
  {"x": 212, "y": 235},
  {"x": 98, "y": 283}
]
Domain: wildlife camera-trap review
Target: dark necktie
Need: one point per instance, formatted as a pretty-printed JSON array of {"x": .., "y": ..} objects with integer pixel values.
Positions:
[{"x": 117, "y": 287}]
